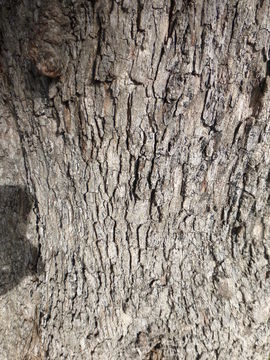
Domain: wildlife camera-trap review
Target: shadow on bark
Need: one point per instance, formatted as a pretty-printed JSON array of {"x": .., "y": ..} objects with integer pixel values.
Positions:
[{"x": 18, "y": 257}]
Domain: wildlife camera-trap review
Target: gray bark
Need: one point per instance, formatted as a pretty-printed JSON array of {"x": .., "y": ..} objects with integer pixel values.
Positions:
[{"x": 134, "y": 198}]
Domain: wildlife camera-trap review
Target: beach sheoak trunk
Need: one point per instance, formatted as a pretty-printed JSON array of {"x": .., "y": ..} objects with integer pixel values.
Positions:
[{"x": 138, "y": 133}]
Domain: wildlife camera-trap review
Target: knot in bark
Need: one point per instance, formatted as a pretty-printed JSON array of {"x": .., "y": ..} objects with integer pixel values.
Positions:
[
  {"x": 47, "y": 59},
  {"x": 46, "y": 49}
]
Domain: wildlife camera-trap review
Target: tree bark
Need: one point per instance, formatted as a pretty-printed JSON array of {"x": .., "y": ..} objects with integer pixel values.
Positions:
[{"x": 135, "y": 151}]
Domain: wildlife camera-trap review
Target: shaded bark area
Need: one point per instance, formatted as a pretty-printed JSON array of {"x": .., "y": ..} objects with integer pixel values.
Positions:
[{"x": 141, "y": 131}]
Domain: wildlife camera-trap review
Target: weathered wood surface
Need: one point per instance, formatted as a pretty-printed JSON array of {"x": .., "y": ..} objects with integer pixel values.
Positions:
[{"x": 139, "y": 133}]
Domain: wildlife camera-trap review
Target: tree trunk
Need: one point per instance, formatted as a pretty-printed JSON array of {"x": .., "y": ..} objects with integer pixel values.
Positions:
[{"x": 135, "y": 151}]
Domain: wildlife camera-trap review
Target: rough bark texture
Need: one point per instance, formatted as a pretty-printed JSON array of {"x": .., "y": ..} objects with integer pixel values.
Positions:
[{"x": 135, "y": 151}]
